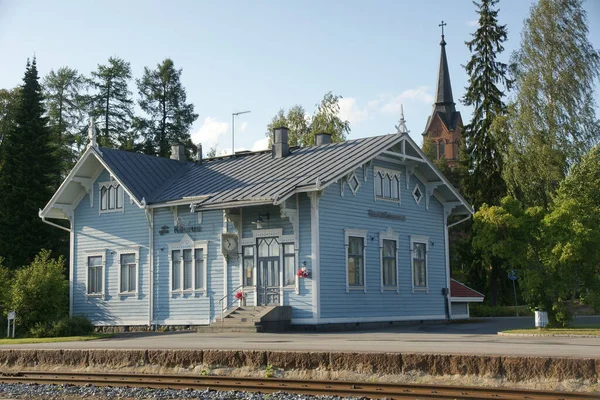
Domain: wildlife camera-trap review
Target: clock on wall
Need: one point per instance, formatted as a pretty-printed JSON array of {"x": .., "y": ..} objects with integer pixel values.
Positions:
[{"x": 229, "y": 244}]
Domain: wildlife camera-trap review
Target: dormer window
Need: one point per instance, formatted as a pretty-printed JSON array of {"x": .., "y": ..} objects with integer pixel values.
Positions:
[
  {"x": 387, "y": 185},
  {"x": 111, "y": 197}
]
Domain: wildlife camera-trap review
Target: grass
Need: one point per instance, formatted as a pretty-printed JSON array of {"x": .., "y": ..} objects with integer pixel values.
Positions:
[
  {"x": 56, "y": 339},
  {"x": 588, "y": 330}
]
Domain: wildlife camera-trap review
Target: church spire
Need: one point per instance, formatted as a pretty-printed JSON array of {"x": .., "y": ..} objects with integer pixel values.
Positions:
[{"x": 444, "y": 101}]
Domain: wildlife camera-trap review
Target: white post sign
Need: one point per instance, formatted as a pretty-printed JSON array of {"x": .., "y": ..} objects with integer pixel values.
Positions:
[{"x": 11, "y": 318}]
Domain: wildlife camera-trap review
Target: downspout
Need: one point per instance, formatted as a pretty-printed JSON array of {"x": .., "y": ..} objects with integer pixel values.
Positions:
[
  {"x": 71, "y": 253},
  {"x": 446, "y": 234},
  {"x": 150, "y": 218}
]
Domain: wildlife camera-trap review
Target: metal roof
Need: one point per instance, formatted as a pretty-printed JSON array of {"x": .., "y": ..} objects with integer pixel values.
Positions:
[
  {"x": 142, "y": 174},
  {"x": 260, "y": 177}
]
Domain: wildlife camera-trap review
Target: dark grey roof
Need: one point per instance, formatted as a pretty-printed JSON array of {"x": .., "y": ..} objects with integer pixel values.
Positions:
[
  {"x": 142, "y": 174},
  {"x": 258, "y": 176}
]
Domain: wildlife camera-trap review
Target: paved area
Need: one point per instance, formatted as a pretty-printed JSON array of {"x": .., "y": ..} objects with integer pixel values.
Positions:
[{"x": 477, "y": 337}]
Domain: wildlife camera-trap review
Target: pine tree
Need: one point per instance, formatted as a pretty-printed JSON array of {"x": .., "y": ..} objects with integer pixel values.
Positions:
[
  {"x": 552, "y": 121},
  {"x": 9, "y": 100},
  {"x": 112, "y": 104},
  {"x": 163, "y": 99},
  {"x": 64, "y": 102},
  {"x": 485, "y": 145},
  {"x": 28, "y": 178}
]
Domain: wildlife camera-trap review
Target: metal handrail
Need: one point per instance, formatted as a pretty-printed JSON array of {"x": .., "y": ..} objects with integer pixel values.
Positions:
[{"x": 224, "y": 307}]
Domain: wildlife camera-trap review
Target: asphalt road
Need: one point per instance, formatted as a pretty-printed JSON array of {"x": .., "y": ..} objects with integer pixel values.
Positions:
[{"x": 477, "y": 337}]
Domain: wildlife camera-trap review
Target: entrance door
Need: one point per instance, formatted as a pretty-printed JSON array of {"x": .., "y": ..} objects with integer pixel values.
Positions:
[{"x": 269, "y": 267}]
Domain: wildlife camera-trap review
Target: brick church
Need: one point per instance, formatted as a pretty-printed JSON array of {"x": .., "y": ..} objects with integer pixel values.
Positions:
[{"x": 444, "y": 126}]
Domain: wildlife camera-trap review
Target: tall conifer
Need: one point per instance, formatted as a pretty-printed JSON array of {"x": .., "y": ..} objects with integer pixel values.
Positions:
[
  {"x": 487, "y": 78},
  {"x": 28, "y": 178}
]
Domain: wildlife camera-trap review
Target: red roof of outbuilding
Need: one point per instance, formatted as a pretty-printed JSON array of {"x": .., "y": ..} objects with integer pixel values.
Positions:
[{"x": 458, "y": 289}]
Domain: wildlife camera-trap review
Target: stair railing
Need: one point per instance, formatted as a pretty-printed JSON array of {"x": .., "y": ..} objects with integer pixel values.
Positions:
[{"x": 224, "y": 305}]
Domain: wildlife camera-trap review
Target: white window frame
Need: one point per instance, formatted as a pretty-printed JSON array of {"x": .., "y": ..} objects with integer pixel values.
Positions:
[
  {"x": 414, "y": 195},
  {"x": 111, "y": 185},
  {"x": 136, "y": 251},
  {"x": 361, "y": 233},
  {"x": 423, "y": 240},
  {"x": 394, "y": 236},
  {"x": 187, "y": 243},
  {"x": 391, "y": 174},
  {"x": 95, "y": 253}
]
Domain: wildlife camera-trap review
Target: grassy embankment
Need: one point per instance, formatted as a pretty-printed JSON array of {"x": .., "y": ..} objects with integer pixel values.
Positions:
[
  {"x": 56, "y": 339},
  {"x": 575, "y": 330}
]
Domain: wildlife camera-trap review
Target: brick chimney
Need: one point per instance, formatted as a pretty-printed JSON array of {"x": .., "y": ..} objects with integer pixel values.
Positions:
[
  {"x": 322, "y": 138},
  {"x": 281, "y": 147},
  {"x": 178, "y": 152}
]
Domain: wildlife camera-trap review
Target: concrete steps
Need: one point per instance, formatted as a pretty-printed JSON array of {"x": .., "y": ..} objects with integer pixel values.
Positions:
[{"x": 251, "y": 319}]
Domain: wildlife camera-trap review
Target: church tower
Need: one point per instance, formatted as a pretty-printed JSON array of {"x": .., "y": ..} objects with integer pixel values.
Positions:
[{"x": 444, "y": 126}]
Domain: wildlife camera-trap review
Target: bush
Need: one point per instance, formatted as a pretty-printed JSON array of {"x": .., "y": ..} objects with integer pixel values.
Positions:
[
  {"x": 484, "y": 310},
  {"x": 74, "y": 326},
  {"x": 40, "y": 294}
]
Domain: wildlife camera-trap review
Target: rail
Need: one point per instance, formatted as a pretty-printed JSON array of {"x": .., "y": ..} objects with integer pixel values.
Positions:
[
  {"x": 224, "y": 306},
  {"x": 306, "y": 387}
]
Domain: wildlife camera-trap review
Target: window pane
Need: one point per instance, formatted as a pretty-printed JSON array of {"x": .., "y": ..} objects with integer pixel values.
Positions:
[
  {"x": 124, "y": 278},
  {"x": 290, "y": 271},
  {"x": 98, "y": 279},
  {"x": 355, "y": 245},
  {"x": 111, "y": 198},
  {"x": 389, "y": 248},
  {"x": 442, "y": 149},
  {"x": 351, "y": 274},
  {"x": 394, "y": 193},
  {"x": 263, "y": 248},
  {"x": 248, "y": 271},
  {"x": 248, "y": 251},
  {"x": 176, "y": 272},
  {"x": 127, "y": 259},
  {"x": 118, "y": 196},
  {"x": 103, "y": 199},
  {"x": 288, "y": 248},
  {"x": 274, "y": 248},
  {"x": 199, "y": 284},
  {"x": 389, "y": 272},
  {"x": 91, "y": 280},
  {"x": 386, "y": 186},
  {"x": 132, "y": 278},
  {"x": 358, "y": 271},
  {"x": 94, "y": 261},
  {"x": 187, "y": 269},
  {"x": 378, "y": 185}
]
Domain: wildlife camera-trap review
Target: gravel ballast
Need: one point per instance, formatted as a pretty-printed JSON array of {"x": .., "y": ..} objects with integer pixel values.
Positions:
[{"x": 33, "y": 391}]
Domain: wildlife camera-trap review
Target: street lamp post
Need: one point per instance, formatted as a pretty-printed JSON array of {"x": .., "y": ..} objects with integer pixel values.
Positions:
[{"x": 233, "y": 115}]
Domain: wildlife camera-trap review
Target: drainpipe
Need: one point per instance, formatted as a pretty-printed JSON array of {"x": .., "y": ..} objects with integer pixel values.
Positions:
[
  {"x": 150, "y": 218},
  {"x": 446, "y": 234},
  {"x": 71, "y": 253}
]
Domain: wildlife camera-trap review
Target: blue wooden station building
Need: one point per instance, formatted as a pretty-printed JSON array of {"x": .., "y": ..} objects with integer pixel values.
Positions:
[{"x": 347, "y": 232}]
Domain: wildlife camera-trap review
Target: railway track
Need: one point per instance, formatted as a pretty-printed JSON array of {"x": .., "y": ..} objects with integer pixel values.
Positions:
[{"x": 270, "y": 385}]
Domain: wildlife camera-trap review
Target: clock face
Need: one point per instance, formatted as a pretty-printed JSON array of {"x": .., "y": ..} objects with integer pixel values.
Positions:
[{"x": 229, "y": 243}]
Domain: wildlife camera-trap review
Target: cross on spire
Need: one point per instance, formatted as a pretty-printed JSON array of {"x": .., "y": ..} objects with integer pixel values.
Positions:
[{"x": 443, "y": 24}]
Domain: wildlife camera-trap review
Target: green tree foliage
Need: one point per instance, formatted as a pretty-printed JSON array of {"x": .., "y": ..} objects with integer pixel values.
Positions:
[
  {"x": 303, "y": 128},
  {"x": 485, "y": 146},
  {"x": 557, "y": 251},
  {"x": 112, "y": 104},
  {"x": 40, "y": 292},
  {"x": 5, "y": 280},
  {"x": 552, "y": 120},
  {"x": 9, "y": 100},
  {"x": 28, "y": 178},
  {"x": 163, "y": 99},
  {"x": 64, "y": 102}
]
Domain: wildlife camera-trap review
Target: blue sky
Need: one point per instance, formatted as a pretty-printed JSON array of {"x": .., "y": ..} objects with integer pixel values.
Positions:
[{"x": 266, "y": 55}]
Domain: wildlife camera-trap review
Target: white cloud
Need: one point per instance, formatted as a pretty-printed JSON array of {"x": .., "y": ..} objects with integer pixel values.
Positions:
[
  {"x": 243, "y": 127},
  {"x": 350, "y": 111},
  {"x": 391, "y": 104},
  {"x": 472, "y": 23},
  {"x": 210, "y": 132},
  {"x": 260, "y": 144}
]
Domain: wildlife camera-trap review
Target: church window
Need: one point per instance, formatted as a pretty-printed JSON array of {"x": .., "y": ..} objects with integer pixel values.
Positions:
[{"x": 442, "y": 149}]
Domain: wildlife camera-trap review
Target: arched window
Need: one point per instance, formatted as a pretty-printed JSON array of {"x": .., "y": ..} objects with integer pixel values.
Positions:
[{"x": 442, "y": 149}]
